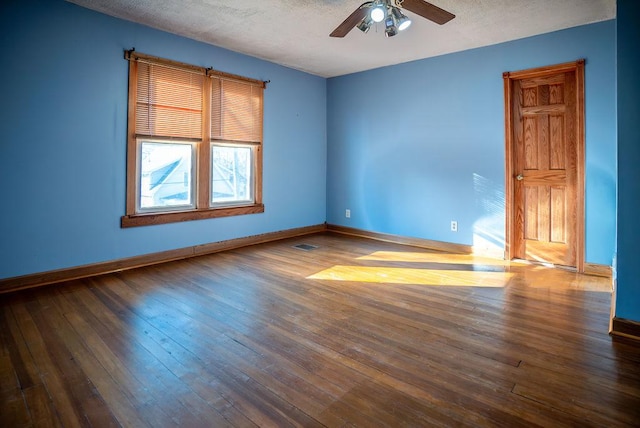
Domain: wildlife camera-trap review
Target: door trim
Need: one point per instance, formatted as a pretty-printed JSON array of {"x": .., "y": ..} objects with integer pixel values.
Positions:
[{"x": 509, "y": 77}]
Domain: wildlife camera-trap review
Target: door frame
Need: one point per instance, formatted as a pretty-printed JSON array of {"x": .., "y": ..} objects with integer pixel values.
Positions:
[{"x": 510, "y": 227}]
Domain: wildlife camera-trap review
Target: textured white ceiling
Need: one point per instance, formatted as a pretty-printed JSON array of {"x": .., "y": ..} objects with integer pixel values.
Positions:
[{"x": 295, "y": 33}]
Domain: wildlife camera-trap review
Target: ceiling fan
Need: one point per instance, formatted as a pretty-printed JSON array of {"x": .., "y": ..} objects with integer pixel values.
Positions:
[{"x": 390, "y": 11}]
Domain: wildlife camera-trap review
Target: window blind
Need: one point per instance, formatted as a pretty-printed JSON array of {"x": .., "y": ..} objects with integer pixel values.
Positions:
[
  {"x": 236, "y": 110},
  {"x": 169, "y": 102}
]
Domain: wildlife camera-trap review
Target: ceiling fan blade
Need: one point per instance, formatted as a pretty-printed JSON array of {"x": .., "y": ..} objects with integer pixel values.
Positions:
[
  {"x": 351, "y": 21},
  {"x": 429, "y": 11}
]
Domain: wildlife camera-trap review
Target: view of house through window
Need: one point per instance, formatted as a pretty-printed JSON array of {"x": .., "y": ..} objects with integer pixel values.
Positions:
[
  {"x": 165, "y": 175},
  {"x": 194, "y": 145},
  {"x": 231, "y": 174}
]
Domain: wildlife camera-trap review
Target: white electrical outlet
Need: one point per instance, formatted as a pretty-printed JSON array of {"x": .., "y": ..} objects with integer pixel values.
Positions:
[
  {"x": 454, "y": 226},
  {"x": 347, "y": 213}
]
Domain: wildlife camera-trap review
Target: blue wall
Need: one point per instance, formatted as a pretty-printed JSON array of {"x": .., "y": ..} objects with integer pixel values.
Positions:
[
  {"x": 628, "y": 293},
  {"x": 63, "y": 142},
  {"x": 413, "y": 146}
]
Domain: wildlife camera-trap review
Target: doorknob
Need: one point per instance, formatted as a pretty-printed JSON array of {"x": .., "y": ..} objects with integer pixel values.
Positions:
[{"x": 519, "y": 177}]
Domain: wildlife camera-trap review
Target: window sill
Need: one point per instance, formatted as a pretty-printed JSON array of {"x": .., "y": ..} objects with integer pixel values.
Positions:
[{"x": 135, "y": 220}]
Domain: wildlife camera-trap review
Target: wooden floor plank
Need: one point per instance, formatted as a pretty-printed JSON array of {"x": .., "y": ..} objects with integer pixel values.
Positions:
[
  {"x": 51, "y": 376},
  {"x": 220, "y": 350},
  {"x": 14, "y": 411},
  {"x": 19, "y": 364},
  {"x": 172, "y": 321},
  {"x": 9, "y": 379},
  {"x": 115, "y": 383},
  {"x": 144, "y": 367},
  {"x": 39, "y": 407},
  {"x": 356, "y": 332},
  {"x": 587, "y": 398},
  {"x": 61, "y": 344}
]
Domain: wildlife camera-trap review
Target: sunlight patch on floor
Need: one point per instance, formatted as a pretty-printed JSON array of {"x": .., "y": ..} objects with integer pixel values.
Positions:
[
  {"x": 408, "y": 256},
  {"x": 434, "y": 277}
]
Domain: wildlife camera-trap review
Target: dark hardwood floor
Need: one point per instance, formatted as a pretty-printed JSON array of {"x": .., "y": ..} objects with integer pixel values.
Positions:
[{"x": 353, "y": 333}]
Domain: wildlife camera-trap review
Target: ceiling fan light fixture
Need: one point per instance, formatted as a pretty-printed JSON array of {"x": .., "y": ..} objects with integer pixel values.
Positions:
[
  {"x": 390, "y": 26},
  {"x": 402, "y": 22},
  {"x": 365, "y": 24},
  {"x": 381, "y": 10},
  {"x": 377, "y": 13}
]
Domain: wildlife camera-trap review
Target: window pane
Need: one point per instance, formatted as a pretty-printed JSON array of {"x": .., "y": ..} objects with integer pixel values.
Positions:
[
  {"x": 165, "y": 175},
  {"x": 231, "y": 174}
]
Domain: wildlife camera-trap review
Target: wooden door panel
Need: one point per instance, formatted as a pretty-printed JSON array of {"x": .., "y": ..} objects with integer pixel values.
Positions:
[
  {"x": 529, "y": 97},
  {"x": 558, "y": 215},
  {"x": 533, "y": 82},
  {"x": 546, "y": 252},
  {"x": 530, "y": 124},
  {"x": 543, "y": 95},
  {"x": 556, "y": 142},
  {"x": 542, "y": 142},
  {"x": 556, "y": 93},
  {"x": 550, "y": 109},
  {"x": 544, "y": 215},
  {"x": 545, "y": 218},
  {"x": 545, "y": 163},
  {"x": 545, "y": 177},
  {"x": 531, "y": 212}
]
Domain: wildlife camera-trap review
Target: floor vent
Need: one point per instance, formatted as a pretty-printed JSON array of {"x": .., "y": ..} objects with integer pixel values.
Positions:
[{"x": 305, "y": 247}]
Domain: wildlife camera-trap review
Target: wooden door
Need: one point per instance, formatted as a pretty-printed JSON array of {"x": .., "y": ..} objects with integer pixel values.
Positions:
[{"x": 545, "y": 164}]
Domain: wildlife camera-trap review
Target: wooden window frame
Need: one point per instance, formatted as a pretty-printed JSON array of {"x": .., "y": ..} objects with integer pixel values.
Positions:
[{"x": 202, "y": 178}]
